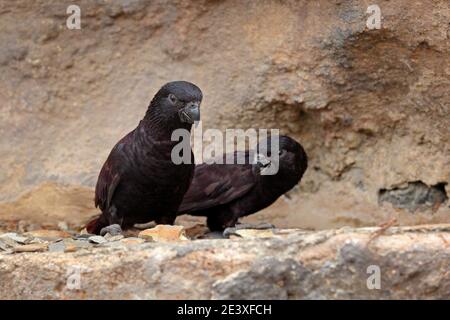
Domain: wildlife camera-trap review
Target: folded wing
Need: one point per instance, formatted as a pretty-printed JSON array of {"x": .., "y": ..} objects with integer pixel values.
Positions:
[
  {"x": 109, "y": 177},
  {"x": 217, "y": 184}
]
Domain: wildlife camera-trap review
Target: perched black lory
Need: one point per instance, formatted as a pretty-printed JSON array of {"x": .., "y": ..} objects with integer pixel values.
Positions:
[
  {"x": 225, "y": 192},
  {"x": 139, "y": 181}
]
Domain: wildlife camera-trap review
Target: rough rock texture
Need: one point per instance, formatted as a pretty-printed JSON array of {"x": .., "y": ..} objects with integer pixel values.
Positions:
[
  {"x": 370, "y": 106},
  {"x": 414, "y": 262}
]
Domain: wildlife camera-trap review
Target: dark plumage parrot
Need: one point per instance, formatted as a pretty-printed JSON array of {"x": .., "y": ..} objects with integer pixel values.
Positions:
[
  {"x": 225, "y": 192},
  {"x": 140, "y": 182}
]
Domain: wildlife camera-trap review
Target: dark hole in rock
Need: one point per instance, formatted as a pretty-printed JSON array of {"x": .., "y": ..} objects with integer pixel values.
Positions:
[{"x": 415, "y": 196}]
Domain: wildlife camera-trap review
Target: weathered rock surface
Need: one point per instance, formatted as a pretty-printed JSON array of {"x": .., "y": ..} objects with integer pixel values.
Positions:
[
  {"x": 370, "y": 106},
  {"x": 414, "y": 262}
]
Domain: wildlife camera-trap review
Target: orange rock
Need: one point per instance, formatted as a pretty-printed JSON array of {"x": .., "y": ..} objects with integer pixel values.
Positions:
[
  {"x": 197, "y": 231},
  {"x": 164, "y": 233},
  {"x": 70, "y": 248}
]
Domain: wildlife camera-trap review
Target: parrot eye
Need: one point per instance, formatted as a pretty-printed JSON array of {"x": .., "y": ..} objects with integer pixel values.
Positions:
[{"x": 172, "y": 98}]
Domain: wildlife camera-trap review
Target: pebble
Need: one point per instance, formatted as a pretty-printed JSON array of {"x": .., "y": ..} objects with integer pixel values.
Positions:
[
  {"x": 57, "y": 247},
  {"x": 97, "y": 239},
  {"x": 15, "y": 237},
  {"x": 68, "y": 245},
  {"x": 164, "y": 233}
]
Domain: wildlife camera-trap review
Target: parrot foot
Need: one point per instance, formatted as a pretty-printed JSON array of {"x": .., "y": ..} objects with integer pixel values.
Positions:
[{"x": 113, "y": 230}]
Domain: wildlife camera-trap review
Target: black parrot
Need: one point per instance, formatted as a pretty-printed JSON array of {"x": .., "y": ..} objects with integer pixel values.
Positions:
[
  {"x": 225, "y": 192},
  {"x": 139, "y": 181}
]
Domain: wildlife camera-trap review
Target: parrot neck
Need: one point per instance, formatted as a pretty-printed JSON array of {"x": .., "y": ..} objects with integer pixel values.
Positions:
[{"x": 160, "y": 126}]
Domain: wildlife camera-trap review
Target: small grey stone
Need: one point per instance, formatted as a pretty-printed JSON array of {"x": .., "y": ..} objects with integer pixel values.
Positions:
[
  {"x": 57, "y": 247},
  {"x": 15, "y": 237},
  {"x": 97, "y": 239}
]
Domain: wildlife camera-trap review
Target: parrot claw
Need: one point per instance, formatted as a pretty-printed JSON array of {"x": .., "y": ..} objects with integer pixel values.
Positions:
[{"x": 260, "y": 226}]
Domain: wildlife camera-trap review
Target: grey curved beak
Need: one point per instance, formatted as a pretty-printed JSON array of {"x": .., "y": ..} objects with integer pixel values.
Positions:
[
  {"x": 190, "y": 113},
  {"x": 262, "y": 161}
]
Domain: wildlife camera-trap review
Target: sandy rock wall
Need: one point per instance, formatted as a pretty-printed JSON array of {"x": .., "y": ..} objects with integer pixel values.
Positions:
[{"x": 371, "y": 107}]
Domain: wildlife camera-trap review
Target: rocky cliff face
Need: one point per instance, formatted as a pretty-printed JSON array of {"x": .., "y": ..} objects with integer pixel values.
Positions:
[{"x": 371, "y": 107}]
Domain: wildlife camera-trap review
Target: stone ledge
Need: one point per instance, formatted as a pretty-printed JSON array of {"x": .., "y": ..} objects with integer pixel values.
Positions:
[{"x": 293, "y": 264}]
